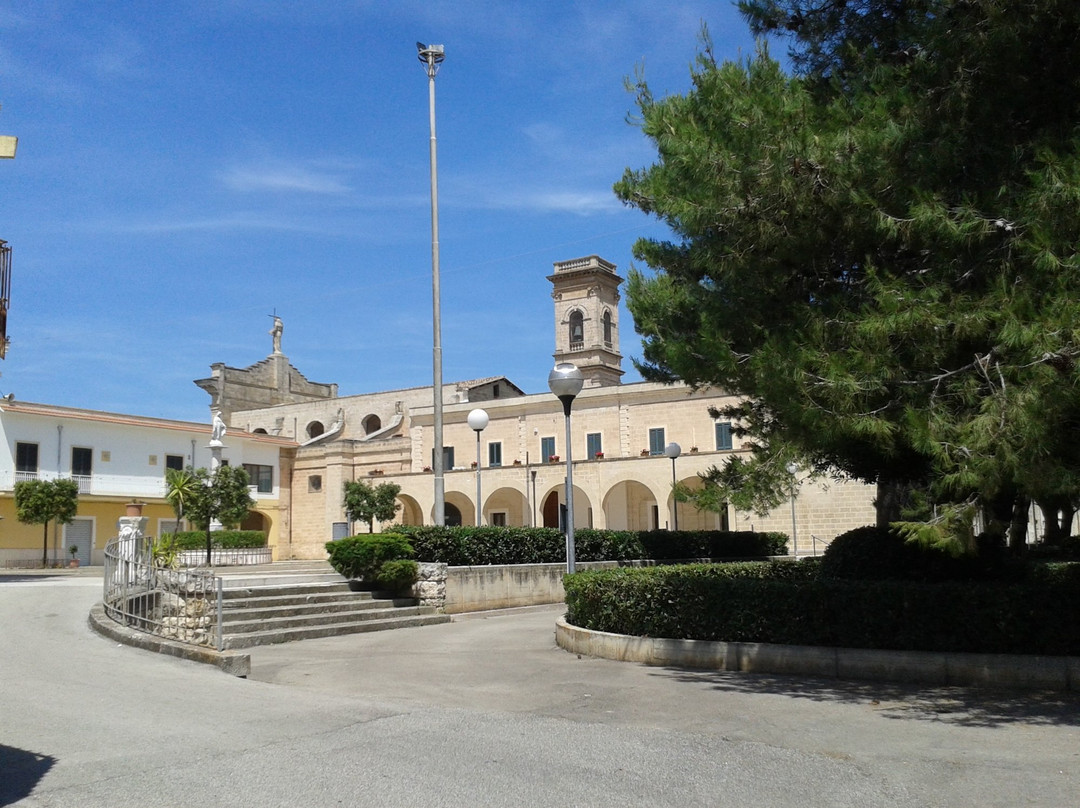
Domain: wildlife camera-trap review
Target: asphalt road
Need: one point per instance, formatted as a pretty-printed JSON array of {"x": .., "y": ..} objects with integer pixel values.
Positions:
[{"x": 487, "y": 712}]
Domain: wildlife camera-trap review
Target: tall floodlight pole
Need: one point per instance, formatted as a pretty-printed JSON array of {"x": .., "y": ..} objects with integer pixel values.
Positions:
[
  {"x": 432, "y": 56},
  {"x": 565, "y": 382}
]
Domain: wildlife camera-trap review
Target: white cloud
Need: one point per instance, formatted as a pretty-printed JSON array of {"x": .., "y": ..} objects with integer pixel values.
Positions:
[{"x": 283, "y": 178}]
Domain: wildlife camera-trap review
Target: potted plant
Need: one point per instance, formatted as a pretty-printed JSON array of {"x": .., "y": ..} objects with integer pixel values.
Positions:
[
  {"x": 553, "y": 459},
  {"x": 644, "y": 452},
  {"x": 74, "y": 550},
  {"x": 599, "y": 455}
]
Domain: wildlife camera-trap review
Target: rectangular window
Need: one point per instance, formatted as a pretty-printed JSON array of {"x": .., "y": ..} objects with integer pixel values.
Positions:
[
  {"x": 656, "y": 441},
  {"x": 497, "y": 519},
  {"x": 175, "y": 462},
  {"x": 495, "y": 454},
  {"x": 547, "y": 449},
  {"x": 26, "y": 458},
  {"x": 314, "y": 483},
  {"x": 448, "y": 458},
  {"x": 262, "y": 477},
  {"x": 594, "y": 444},
  {"x": 723, "y": 435},
  {"x": 82, "y": 461}
]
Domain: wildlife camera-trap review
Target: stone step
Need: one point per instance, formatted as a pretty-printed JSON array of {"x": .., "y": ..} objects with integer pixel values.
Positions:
[
  {"x": 254, "y": 599},
  {"x": 252, "y": 579},
  {"x": 269, "y": 610},
  {"x": 270, "y": 637},
  {"x": 249, "y": 625},
  {"x": 288, "y": 588}
]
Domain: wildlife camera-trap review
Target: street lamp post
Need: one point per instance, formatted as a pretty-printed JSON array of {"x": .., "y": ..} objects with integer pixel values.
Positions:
[
  {"x": 478, "y": 421},
  {"x": 565, "y": 382},
  {"x": 791, "y": 469},
  {"x": 432, "y": 56},
  {"x": 673, "y": 450}
]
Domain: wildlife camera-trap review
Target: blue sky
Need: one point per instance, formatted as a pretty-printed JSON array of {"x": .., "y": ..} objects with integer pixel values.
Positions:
[{"x": 185, "y": 169}]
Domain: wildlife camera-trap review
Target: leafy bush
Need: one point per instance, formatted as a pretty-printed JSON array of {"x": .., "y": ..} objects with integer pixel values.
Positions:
[
  {"x": 789, "y": 603},
  {"x": 873, "y": 554},
  {"x": 397, "y": 575},
  {"x": 221, "y": 539},
  {"x": 363, "y": 556},
  {"x": 476, "y": 546}
]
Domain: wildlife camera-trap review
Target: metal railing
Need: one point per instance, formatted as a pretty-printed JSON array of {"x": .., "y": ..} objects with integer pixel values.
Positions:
[
  {"x": 184, "y": 605},
  {"x": 227, "y": 557}
]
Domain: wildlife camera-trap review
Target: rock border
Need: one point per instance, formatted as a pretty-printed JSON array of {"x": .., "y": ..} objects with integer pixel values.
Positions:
[{"x": 907, "y": 667}]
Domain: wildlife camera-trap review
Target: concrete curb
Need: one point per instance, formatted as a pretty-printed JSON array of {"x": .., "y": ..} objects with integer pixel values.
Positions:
[
  {"x": 908, "y": 667},
  {"x": 237, "y": 664}
]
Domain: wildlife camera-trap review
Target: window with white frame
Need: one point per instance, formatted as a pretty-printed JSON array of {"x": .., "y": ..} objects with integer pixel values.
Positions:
[
  {"x": 547, "y": 449},
  {"x": 495, "y": 453},
  {"x": 26, "y": 461},
  {"x": 262, "y": 477},
  {"x": 656, "y": 441}
]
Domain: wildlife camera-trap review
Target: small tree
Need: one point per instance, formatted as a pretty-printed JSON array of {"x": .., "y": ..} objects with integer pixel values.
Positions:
[
  {"x": 223, "y": 496},
  {"x": 38, "y": 502},
  {"x": 181, "y": 487},
  {"x": 364, "y": 502}
]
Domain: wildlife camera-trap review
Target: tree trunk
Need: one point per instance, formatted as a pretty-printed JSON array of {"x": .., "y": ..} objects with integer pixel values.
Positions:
[
  {"x": 890, "y": 497},
  {"x": 45, "y": 545},
  {"x": 1019, "y": 523}
]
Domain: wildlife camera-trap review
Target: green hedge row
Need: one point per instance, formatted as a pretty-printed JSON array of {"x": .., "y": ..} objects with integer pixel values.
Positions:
[
  {"x": 481, "y": 546},
  {"x": 781, "y": 602},
  {"x": 221, "y": 539}
]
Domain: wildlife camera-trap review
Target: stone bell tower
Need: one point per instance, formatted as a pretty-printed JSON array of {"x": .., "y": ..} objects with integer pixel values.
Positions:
[{"x": 586, "y": 295}]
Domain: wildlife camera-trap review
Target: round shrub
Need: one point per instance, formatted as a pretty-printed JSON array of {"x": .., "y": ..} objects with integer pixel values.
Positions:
[
  {"x": 398, "y": 575},
  {"x": 873, "y": 554},
  {"x": 362, "y": 556}
]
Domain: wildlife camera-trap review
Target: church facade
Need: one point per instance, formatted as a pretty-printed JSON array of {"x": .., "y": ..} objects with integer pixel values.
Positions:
[{"x": 622, "y": 476}]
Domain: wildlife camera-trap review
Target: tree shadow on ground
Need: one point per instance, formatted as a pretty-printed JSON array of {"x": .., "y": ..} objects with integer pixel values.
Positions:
[
  {"x": 959, "y": 706},
  {"x": 22, "y": 771}
]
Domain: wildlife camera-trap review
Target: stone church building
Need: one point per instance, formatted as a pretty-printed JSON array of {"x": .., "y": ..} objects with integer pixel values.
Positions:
[{"x": 622, "y": 477}]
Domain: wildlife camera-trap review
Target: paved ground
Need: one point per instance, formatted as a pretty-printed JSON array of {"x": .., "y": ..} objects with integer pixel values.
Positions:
[{"x": 487, "y": 712}]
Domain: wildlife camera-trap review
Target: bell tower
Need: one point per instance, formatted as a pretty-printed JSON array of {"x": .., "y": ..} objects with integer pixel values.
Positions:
[{"x": 586, "y": 295}]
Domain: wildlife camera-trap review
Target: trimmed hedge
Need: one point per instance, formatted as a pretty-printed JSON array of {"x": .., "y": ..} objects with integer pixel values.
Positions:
[
  {"x": 219, "y": 539},
  {"x": 780, "y": 602},
  {"x": 366, "y": 555},
  {"x": 482, "y": 546}
]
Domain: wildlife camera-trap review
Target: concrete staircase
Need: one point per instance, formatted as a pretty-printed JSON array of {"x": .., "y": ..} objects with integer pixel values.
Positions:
[{"x": 301, "y": 600}]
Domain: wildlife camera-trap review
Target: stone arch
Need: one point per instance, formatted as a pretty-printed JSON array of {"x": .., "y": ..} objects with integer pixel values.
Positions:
[
  {"x": 630, "y": 505},
  {"x": 690, "y": 518},
  {"x": 259, "y": 431},
  {"x": 371, "y": 424},
  {"x": 411, "y": 513},
  {"x": 553, "y": 501},
  {"x": 508, "y": 501},
  {"x": 458, "y": 509},
  {"x": 314, "y": 429},
  {"x": 606, "y": 323}
]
